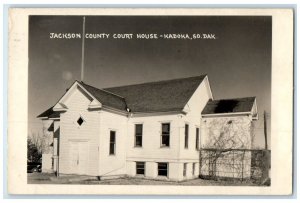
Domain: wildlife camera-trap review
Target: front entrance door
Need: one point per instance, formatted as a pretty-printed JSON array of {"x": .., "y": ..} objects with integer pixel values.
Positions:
[{"x": 79, "y": 157}]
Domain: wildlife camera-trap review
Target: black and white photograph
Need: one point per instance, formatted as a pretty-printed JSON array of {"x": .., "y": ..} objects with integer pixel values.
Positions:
[{"x": 152, "y": 100}]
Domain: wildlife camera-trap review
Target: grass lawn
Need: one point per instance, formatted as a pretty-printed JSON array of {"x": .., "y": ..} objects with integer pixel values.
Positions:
[{"x": 46, "y": 178}]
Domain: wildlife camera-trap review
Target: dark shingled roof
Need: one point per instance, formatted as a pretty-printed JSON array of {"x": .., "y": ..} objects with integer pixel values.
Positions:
[
  {"x": 229, "y": 105},
  {"x": 49, "y": 113},
  {"x": 106, "y": 98},
  {"x": 162, "y": 96}
]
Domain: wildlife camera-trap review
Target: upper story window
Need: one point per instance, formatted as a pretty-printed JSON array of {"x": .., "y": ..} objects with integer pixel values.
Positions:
[
  {"x": 197, "y": 138},
  {"x": 186, "y": 136},
  {"x": 165, "y": 134},
  {"x": 112, "y": 143},
  {"x": 138, "y": 140}
]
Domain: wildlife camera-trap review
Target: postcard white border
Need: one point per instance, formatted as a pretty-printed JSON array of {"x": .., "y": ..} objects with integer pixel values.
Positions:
[{"x": 281, "y": 110}]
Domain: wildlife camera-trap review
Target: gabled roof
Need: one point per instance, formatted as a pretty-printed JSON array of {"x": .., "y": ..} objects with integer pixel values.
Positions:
[
  {"x": 106, "y": 98},
  {"x": 49, "y": 113},
  {"x": 161, "y": 96},
  {"x": 237, "y": 105}
]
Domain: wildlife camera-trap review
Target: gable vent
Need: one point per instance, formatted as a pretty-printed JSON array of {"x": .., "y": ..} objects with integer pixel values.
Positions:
[{"x": 80, "y": 121}]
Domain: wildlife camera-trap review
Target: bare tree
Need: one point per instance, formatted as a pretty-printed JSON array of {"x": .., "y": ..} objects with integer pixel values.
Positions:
[
  {"x": 34, "y": 147},
  {"x": 38, "y": 140}
]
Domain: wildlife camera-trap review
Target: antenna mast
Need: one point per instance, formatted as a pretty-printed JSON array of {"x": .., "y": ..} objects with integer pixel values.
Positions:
[{"x": 82, "y": 49}]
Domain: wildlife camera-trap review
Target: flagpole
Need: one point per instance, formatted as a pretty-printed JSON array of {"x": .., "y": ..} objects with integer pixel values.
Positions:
[{"x": 82, "y": 49}]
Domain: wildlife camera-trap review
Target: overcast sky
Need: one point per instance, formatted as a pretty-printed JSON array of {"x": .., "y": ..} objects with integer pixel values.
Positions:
[{"x": 238, "y": 61}]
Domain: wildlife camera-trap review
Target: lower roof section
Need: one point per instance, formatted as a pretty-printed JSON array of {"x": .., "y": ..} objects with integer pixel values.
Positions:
[{"x": 246, "y": 105}]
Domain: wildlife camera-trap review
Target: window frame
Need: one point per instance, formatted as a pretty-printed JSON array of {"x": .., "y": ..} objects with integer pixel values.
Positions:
[
  {"x": 184, "y": 170},
  {"x": 167, "y": 169},
  {"x": 197, "y": 138},
  {"x": 194, "y": 169},
  {"x": 136, "y": 168},
  {"x": 162, "y": 134},
  {"x": 186, "y": 135},
  {"x": 135, "y": 135},
  {"x": 114, "y": 143}
]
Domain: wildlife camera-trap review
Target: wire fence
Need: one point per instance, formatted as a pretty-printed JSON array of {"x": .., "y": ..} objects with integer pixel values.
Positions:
[{"x": 235, "y": 164}]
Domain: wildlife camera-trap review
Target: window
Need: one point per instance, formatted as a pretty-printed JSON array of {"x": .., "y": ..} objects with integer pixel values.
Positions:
[
  {"x": 52, "y": 163},
  {"x": 112, "y": 143},
  {"x": 80, "y": 121},
  {"x": 165, "y": 135},
  {"x": 138, "y": 142},
  {"x": 194, "y": 168},
  {"x": 162, "y": 169},
  {"x": 186, "y": 136},
  {"x": 140, "y": 168},
  {"x": 197, "y": 138},
  {"x": 184, "y": 169}
]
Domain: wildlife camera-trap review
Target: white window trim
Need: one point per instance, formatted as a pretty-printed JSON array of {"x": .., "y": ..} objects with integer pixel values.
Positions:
[
  {"x": 168, "y": 167},
  {"x": 115, "y": 145},
  {"x": 197, "y": 146},
  {"x": 144, "y": 168},
  {"x": 184, "y": 173},
  {"x": 161, "y": 146},
  {"x": 134, "y": 144},
  {"x": 188, "y": 137}
]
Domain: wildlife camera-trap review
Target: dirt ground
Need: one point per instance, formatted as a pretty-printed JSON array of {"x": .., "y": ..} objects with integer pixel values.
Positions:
[{"x": 46, "y": 178}]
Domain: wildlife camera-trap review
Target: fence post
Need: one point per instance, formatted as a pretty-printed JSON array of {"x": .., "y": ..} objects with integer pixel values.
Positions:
[{"x": 243, "y": 158}]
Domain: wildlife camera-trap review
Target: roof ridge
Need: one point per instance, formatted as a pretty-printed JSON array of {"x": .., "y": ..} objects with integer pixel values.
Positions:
[
  {"x": 204, "y": 75},
  {"x": 104, "y": 90}
]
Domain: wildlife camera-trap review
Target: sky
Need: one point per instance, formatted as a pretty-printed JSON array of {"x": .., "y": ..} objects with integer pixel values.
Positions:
[{"x": 237, "y": 61}]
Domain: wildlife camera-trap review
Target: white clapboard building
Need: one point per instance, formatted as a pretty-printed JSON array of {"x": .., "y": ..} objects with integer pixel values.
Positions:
[{"x": 152, "y": 130}]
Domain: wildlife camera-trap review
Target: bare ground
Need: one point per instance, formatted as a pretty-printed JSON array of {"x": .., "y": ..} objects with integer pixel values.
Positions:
[{"x": 47, "y": 178}]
